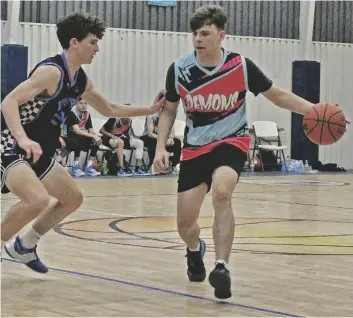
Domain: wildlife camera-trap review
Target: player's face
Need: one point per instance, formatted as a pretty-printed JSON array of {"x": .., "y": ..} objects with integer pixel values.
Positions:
[
  {"x": 82, "y": 105},
  {"x": 207, "y": 39},
  {"x": 87, "y": 49}
]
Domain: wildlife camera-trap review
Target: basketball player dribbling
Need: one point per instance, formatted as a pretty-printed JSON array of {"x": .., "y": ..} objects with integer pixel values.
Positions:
[
  {"x": 212, "y": 83},
  {"x": 30, "y": 129}
]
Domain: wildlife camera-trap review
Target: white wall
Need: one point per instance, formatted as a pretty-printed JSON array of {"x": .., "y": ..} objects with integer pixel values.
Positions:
[{"x": 132, "y": 64}]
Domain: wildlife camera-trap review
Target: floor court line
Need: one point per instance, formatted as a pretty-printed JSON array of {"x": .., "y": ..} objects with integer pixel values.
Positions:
[
  {"x": 107, "y": 213},
  {"x": 167, "y": 291}
]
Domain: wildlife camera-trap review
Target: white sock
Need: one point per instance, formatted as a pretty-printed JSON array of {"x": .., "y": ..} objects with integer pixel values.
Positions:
[
  {"x": 221, "y": 261},
  {"x": 195, "y": 249},
  {"x": 89, "y": 163},
  {"x": 75, "y": 163},
  {"x": 30, "y": 238}
]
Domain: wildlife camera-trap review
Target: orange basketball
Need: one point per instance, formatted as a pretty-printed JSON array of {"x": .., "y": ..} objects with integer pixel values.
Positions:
[{"x": 325, "y": 124}]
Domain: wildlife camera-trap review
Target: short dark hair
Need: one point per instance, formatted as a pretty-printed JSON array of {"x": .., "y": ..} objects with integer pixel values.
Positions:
[
  {"x": 78, "y": 25},
  {"x": 208, "y": 15}
]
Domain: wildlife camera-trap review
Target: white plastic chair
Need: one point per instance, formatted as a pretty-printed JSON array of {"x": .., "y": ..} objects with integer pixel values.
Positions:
[
  {"x": 267, "y": 132},
  {"x": 138, "y": 125},
  {"x": 179, "y": 128}
]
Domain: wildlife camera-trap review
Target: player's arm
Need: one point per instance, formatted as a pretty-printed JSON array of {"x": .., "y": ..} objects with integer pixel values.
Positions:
[
  {"x": 166, "y": 123},
  {"x": 98, "y": 102},
  {"x": 72, "y": 126},
  {"x": 108, "y": 127},
  {"x": 258, "y": 83},
  {"x": 172, "y": 131},
  {"x": 89, "y": 126},
  {"x": 168, "y": 115},
  {"x": 44, "y": 80},
  {"x": 287, "y": 100},
  {"x": 76, "y": 129}
]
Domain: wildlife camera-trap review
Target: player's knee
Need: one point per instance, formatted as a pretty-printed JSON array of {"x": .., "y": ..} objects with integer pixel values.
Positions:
[
  {"x": 187, "y": 221},
  {"x": 120, "y": 143},
  {"x": 75, "y": 199},
  {"x": 72, "y": 200},
  {"x": 38, "y": 203},
  {"x": 221, "y": 194},
  {"x": 184, "y": 225}
]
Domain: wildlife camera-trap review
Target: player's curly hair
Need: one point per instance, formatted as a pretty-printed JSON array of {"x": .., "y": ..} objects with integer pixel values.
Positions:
[
  {"x": 78, "y": 25},
  {"x": 208, "y": 15}
]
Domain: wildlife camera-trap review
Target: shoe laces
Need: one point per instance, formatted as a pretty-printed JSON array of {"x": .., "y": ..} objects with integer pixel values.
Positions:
[
  {"x": 194, "y": 258},
  {"x": 220, "y": 266},
  {"x": 22, "y": 250}
]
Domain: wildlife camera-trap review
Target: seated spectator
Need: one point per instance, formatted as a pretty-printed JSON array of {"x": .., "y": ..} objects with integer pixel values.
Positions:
[
  {"x": 80, "y": 136},
  {"x": 118, "y": 133},
  {"x": 149, "y": 138}
]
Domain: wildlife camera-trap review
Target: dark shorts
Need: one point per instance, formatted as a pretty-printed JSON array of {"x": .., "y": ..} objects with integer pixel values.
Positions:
[
  {"x": 194, "y": 172},
  {"x": 41, "y": 167}
]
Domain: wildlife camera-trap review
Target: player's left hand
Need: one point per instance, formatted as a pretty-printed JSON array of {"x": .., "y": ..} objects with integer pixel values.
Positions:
[
  {"x": 161, "y": 93},
  {"x": 157, "y": 106}
]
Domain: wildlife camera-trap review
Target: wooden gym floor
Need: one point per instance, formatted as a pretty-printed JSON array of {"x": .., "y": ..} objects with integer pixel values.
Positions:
[{"x": 120, "y": 254}]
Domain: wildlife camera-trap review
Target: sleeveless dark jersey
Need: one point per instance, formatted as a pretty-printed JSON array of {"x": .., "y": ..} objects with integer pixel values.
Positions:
[{"x": 42, "y": 116}]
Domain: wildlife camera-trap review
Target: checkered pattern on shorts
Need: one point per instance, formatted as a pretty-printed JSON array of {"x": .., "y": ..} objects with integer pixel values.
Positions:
[{"x": 7, "y": 141}]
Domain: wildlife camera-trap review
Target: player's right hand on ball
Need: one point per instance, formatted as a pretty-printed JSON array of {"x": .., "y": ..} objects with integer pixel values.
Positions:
[
  {"x": 32, "y": 149},
  {"x": 161, "y": 161}
]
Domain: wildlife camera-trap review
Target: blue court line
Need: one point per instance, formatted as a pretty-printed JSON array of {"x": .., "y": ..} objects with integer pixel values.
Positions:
[{"x": 167, "y": 291}]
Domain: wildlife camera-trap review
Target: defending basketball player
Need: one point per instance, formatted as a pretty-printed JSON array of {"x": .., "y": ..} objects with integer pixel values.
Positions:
[
  {"x": 212, "y": 83},
  {"x": 31, "y": 117}
]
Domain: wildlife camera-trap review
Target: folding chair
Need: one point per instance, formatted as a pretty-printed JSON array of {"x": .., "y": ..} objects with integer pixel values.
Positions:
[
  {"x": 179, "y": 129},
  {"x": 266, "y": 133}
]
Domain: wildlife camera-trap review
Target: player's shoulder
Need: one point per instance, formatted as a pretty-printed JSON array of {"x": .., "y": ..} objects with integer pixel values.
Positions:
[
  {"x": 230, "y": 55},
  {"x": 47, "y": 73},
  {"x": 186, "y": 60},
  {"x": 49, "y": 68}
]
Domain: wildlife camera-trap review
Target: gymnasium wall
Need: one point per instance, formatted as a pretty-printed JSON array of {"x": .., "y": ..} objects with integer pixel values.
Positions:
[
  {"x": 278, "y": 19},
  {"x": 132, "y": 65},
  {"x": 250, "y": 18}
]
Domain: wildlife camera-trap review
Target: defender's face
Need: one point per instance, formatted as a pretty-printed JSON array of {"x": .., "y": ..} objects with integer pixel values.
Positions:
[
  {"x": 86, "y": 49},
  {"x": 207, "y": 39}
]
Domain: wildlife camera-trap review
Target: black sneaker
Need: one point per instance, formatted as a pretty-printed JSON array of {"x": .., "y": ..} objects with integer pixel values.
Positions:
[
  {"x": 196, "y": 268},
  {"x": 220, "y": 280}
]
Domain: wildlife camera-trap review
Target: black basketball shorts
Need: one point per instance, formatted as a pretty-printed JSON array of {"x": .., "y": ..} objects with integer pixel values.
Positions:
[
  {"x": 8, "y": 161},
  {"x": 194, "y": 172}
]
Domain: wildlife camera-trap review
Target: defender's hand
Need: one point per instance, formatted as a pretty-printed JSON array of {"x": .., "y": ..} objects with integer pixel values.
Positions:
[{"x": 31, "y": 148}]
